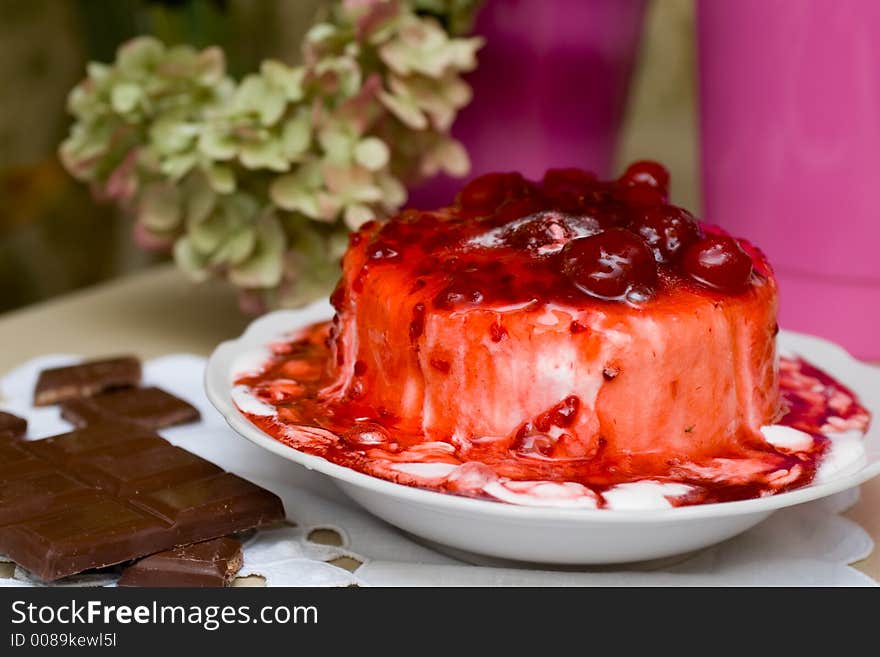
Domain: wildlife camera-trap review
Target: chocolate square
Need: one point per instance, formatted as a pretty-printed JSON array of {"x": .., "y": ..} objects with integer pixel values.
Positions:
[
  {"x": 143, "y": 471},
  {"x": 105, "y": 438},
  {"x": 150, "y": 408},
  {"x": 208, "y": 564},
  {"x": 210, "y": 500},
  {"x": 86, "y": 379}
]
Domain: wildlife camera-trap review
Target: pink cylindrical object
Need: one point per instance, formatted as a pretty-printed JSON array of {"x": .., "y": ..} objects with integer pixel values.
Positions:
[
  {"x": 549, "y": 91},
  {"x": 790, "y": 130}
]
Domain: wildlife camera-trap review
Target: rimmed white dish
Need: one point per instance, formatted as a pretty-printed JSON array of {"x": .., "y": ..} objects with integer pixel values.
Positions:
[{"x": 539, "y": 534}]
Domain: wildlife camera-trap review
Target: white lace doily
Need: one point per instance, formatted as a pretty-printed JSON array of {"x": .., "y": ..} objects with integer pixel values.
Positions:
[{"x": 801, "y": 546}]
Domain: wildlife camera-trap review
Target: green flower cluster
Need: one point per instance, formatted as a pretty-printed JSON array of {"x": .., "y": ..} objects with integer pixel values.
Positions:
[{"x": 259, "y": 180}]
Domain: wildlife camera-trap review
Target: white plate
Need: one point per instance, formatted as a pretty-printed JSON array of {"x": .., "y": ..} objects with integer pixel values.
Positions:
[{"x": 547, "y": 535}]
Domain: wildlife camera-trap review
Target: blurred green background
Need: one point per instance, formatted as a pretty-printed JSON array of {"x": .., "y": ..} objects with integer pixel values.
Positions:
[{"x": 54, "y": 238}]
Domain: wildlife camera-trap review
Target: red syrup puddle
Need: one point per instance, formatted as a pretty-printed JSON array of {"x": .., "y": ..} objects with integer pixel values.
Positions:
[{"x": 355, "y": 435}]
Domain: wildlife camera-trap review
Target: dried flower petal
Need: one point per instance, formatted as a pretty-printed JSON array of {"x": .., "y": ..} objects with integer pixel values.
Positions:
[
  {"x": 296, "y": 136},
  {"x": 372, "y": 153},
  {"x": 264, "y": 266},
  {"x": 220, "y": 177},
  {"x": 356, "y": 215},
  {"x": 159, "y": 209},
  {"x": 288, "y": 80}
]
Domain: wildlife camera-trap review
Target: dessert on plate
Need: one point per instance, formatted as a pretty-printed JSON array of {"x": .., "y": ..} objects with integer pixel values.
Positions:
[{"x": 570, "y": 342}]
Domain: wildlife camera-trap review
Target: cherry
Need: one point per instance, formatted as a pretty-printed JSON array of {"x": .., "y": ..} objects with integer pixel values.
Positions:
[
  {"x": 486, "y": 193},
  {"x": 718, "y": 262},
  {"x": 610, "y": 214},
  {"x": 515, "y": 209},
  {"x": 607, "y": 265},
  {"x": 528, "y": 442},
  {"x": 668, "y": 230},
  {"x": 562, "y": 415},
  {"x": 641, "y": 195},
  {"x": 545, "y": 230},
  {"x": 458, "y": 292},
  {"x": 646, "y": 173},
  {"x": 569, "y": 188},
  {"x": 556, "y": 180},
  {"x": 383, "y": 251}
]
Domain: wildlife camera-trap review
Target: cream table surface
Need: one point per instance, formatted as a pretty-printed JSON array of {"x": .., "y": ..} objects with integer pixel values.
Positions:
[{"x": 159, "y": 312}]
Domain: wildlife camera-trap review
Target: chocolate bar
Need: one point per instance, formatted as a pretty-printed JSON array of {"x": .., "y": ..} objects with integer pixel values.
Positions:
[
  {"x": 113, "y": 492},
  {"x": 12, "y": 425},
  {"x": 208, "y": 564},
  {"x": 86, "y": 379},
  {"x": 151, "y": 408}
]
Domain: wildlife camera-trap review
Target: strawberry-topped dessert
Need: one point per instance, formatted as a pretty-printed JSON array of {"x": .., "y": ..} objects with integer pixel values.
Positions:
[{"x": 572, "y": 342}]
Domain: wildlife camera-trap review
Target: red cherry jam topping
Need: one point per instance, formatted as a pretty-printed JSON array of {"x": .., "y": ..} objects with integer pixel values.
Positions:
[
  {"x": 610, "y": 264},
  {"x": 668, "y": 230},
  {"x": 647, "y": 174},
  {"x": 566, "y": 239},
  {"x": 719, "y": 262},
  {"x": 486, "y": 193}
]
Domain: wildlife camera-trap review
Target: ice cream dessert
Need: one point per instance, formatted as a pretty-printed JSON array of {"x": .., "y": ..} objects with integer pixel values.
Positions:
[{"x": 574, "y": 342}]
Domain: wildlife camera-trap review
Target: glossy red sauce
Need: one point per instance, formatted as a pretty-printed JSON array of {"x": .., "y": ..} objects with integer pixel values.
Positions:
[
  {"x": 566, "y": 239},
  {"x": 368, "y": 439}
]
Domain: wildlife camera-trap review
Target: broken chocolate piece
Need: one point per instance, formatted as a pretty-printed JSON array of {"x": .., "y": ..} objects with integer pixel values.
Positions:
[
  {"x": 208, "y": 564},
  {"x": 150, "y": 408},
  {"x": 86, "y": 379},
  {"x": 107, "y": 494},
  {"x": 12, "y": 425}
]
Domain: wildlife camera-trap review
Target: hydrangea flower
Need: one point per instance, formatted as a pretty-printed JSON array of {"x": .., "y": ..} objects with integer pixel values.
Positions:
[{"x": 258, "y": 181}]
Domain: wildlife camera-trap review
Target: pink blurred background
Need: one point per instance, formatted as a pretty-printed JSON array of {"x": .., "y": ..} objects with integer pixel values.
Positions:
[{"x": 790, "y": 135}]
